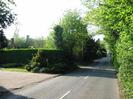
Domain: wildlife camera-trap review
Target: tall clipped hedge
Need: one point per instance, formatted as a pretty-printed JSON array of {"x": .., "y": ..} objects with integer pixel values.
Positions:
[
  {"x": 124, "y": 56},
  {"x": 25, "y": 55}
]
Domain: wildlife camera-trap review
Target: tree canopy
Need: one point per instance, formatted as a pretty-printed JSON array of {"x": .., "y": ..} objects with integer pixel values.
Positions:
[
  {"x": 58, "y": 31},
  {"x": 3, "y": 40},
  {"x": 6, "y": 18},
  {"x": 115, "y": 19},
  {"x": 6, "y": 15},
  {"x": 74, "y": 31}
]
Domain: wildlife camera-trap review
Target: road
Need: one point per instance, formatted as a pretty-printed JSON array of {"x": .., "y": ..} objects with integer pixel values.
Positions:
[{"x": 97, "y": 81}]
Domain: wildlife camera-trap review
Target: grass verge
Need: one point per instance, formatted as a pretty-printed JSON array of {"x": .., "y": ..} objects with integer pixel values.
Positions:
[{"x": 15, "y": 69}]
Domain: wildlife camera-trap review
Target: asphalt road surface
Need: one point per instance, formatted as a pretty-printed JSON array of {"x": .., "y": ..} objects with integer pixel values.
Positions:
[{"x": 97, "y": 81}]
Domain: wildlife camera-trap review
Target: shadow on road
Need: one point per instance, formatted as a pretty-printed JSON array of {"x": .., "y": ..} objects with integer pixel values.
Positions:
[
  {"x": 100, "y": 68},
  {"x": 93, "y": 73},
  {"x": 5, "y": 92}
]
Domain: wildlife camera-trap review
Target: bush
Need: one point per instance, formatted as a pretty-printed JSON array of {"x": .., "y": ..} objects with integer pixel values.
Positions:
[
  {"x": 35, "y": 70},
  {"x": 37, "y": 62},
  {"x": 40, "y": 63},
  {"x": 61, "y": 68},
  {"x": 93, "y": 50},
  {"x": 42, "y": 70},
  {"x": 56, "y": 68}
]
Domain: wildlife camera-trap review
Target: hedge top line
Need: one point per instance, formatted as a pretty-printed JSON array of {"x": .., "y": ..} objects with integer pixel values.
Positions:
[
  {"x": 25, "y": 55},
  {"x": 30, "y": 49}
]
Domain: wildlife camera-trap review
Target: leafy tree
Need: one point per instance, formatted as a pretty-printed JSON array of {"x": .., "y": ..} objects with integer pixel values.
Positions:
[
  {"x": 6, "y": 18},
  {"x": 74, "y": 32},
  {"x": 58, "y": 31},
  {"x": 6, "y": 15},
  {"x": 92, "y": 50},
  {"x": 115, "y": 20},
  {"x": 50, "y": 42},
  {"x": 89, "y": 49},
  {"x": 3, "y": 40},
  {"x": 19, "y": 42},
  {"x": 38, "y": 43}
]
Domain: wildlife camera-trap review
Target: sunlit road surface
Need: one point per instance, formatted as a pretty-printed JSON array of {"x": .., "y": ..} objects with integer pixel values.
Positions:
[{"x": 97, "y": 81}]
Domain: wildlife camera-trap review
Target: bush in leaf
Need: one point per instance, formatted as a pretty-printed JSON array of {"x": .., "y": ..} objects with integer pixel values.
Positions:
[
  {"x": 38, "y": 61},
  {"x": 41, "y": 64}
]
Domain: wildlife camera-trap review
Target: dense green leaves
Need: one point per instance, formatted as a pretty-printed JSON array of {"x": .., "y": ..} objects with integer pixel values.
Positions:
[
  {"x": 124, "y": 50},
  {"x": 72, "y": 37},
  {"x": 58, "y": 31},
  {"x": 41, "y": 63},
  {"x": 93, "y": 50},
  {"x": 6, "y": 15},
  {"x": 115, "y": 19},
  {"x": 3, "y": 40},
  {"x": 74, "y": 32},
  {"x": 6, "y": 18}
]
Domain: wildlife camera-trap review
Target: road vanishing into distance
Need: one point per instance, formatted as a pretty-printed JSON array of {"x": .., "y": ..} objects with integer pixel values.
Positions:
[{"x": 96, "y": 81}]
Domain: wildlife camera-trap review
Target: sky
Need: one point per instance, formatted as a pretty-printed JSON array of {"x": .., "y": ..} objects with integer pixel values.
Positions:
[{"x": 36, "y": 17}]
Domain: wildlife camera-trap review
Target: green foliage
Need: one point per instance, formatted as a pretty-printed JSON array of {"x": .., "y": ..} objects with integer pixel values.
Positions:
[
  {"x": 58, "y": 31},
  {"x": 50, "y": 42},
  {"x": 73, "y": 34},
  {"x": 22, "y": 42},
  {"x": 61, "y": 68},
  {"x": 70, "y": 36},
  {"x": 6, "y": 18},
  {"x": 40, "y": 63},
  {"x": 3, "y": 40},
  {"x": 15, "y": 69},
  {"x": 6, "y": 15},
  {"x": 92, "y": 50},
  {"x": 116, "y": 22},
  {"x": 38, "y": 43},
  {"x": 11, "y": 65},
  {"x": 25, "y": 55},
  {"x": 19, "y": 42},
  {"x": 16, "y": 56},
  {"x": 124, "y": 56},
  {"x": 52, "y": 61}
]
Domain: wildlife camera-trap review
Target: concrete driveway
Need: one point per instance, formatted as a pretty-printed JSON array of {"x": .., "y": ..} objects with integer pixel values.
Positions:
[{"x": 16, "y": 80}]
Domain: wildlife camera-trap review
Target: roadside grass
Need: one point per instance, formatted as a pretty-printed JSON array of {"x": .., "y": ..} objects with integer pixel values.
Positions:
[{"x": 14, "y": 69}]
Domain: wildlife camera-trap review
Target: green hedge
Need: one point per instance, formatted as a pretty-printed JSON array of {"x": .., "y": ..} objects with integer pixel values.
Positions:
[
  {"x": 25, "y": 55},
  {"x": 40, "y": 63},
  {"x": 124, "y": 56}
]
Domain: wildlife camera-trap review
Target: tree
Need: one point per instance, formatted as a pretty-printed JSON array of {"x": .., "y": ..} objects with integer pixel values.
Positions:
[
  {"x": 38, "y": 42},
  {"x": 6, "y": 15},
  {"x": 92, "y": 50},
  {"x": 3, "y": 40},
  {"x": 6, "y": 18},
  {"x": 74, "y": 32},
  {"x": 58, "y": 31},
  {"x": 115, "y": 18},
  {"x": 19, "y": 42},
  {"x": 28, "y": 42},
  {"x": 50, "y": 42},
  {"x": 89, "y": 49}
]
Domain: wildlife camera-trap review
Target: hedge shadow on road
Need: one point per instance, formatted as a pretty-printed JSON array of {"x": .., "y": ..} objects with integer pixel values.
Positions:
[{"x": 7, "y": 94}]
